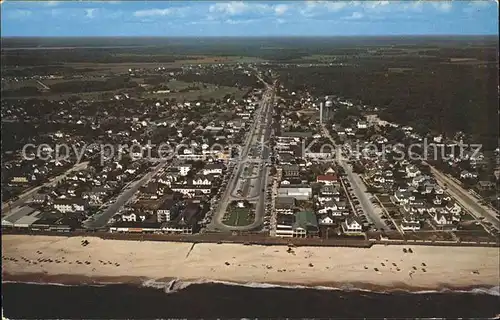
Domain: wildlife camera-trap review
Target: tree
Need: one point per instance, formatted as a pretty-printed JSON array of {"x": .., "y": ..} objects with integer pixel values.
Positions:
[{"x": 273, "y": 171}]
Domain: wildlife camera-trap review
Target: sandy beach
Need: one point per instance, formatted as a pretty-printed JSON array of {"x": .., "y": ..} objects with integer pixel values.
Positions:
[{"x": 65, "y": 260}]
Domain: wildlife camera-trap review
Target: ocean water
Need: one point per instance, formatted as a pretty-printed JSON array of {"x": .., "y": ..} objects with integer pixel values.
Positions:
[{"x": 208, "y": 299}]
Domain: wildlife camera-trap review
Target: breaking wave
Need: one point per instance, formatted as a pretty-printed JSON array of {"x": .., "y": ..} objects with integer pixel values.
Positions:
[{"x": 176, "y": 285}]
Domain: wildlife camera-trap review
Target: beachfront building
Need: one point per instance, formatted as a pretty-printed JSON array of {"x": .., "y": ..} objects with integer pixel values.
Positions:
[
  {"x": 444, "y": 219},
  {"x": 300, "y": 225},
  {"x": 70, "y": 205},
  {"x": 163, "y": 212},
  {"x": 410, "y": 222},
  {"x": 285, "y": 205},
  {"x": 352, "y": 225}
]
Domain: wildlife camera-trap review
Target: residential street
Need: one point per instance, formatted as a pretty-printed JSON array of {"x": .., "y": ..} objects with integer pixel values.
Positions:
[
  {"x": 100, "y": 220},
  {"x": 358, "y": 187},
  {"x": 465, "y": 198},
  {"x": 264, "y": 131},
  {"x": 25, "y": 197}
]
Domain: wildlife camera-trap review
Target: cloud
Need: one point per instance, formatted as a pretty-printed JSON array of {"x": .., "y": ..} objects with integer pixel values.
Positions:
[
  {"x": 355, "y": 16},
  {"x": 229, "y": 8},
  {"x": 443, "y": 6},
  {"x": 153, "y": 12},
  {"x": 335, "y": 6},
  {"x": 478, "y": 5},
  {"x": 328, "y": 5},
  {"x": 482, "y": 3},
  {"x": 413, "y": 6},
  {"x": 90, "y": 13},
  {"x": 17, "y": 14},
  {"x": 280, "y": 9},
  {"x": 316, "y": 8},
  {"x": 56, "y": 12},
  {"x": 375, "y": 4},
  {"x": 240, "y": 21},
  {"x": 235, "y": 8},
  {"x": 51, "y": 3}
]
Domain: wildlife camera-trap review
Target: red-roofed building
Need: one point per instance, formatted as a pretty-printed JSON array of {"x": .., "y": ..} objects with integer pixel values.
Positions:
[{"x": 327, "y": 179}]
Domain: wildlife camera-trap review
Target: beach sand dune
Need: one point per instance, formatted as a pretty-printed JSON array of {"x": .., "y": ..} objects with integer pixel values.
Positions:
[{"x": 427, "y": 268}]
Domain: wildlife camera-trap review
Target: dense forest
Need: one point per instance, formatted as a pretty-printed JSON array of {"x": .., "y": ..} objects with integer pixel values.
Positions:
[
  {"x": 435, "y": 84},
  {"x": 60, "y": 57},
  {"x": 44, "y": 51},
  {"x": 428, "y": 95}
]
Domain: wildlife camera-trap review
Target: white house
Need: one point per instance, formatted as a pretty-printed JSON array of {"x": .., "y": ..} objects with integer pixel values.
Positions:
[
  {"x": 129, "y": 217},
  {"x": 444, "y": 219},
  {"x": 184, "y": 168},
  {"x": 329, "y": 206},
  {"x": 351, "y": 225},
  {"x": 190, "y": 190},
  {"x": 438, "y": 190},
  {"x": 410, "y": 223},
  {"x": 199, "y": 181},
  {"x": 326, "y": 219},
  {"x": 468, "y": 175},
  {"x": 417, "y": 180},
  {"x": 437, "y": 200},
  {"x": 412, "y": 171},
  {"x": 133, "y": 217},
  {"x": 403, "y": 197},
  {"x": 453, "y": 208},
  {"x": 163, "y": 212},
  {"x": 362, "y": 125},
  {"x": 70, "y": 205},
  {"x": 213, "y": 168}
]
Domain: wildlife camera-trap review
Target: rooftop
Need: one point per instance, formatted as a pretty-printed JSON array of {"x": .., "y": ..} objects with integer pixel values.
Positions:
[{"x": 306, "y": 220}]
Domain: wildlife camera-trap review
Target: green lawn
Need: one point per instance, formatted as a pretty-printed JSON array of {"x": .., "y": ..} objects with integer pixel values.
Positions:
[
  {"x": 238, "y": 217},
  {"x": 467, "y": 217}
]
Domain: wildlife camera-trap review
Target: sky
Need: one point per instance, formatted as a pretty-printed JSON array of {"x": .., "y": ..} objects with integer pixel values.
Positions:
[{"x": 248, "y": 18}]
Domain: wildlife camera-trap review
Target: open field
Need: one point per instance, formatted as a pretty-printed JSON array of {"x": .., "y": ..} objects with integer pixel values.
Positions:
[
  {"x": 96, "y": 95},
  {"x": 105, "y": 68},
  {"x": 430, "y": 267},
  {"x": 206, "y": 91},
  {"x": 211, "y": 91}
]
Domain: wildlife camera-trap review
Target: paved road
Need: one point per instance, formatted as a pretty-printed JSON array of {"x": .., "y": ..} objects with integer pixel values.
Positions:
[
  {"x": 24, "y": 197},
  {"x": 358, "y": 187},
  {"x": 465, "y": 198},
  {"x": 264, "y": 132},
  {"x": 100, "y": 220},
  {"x": 43, "y": 85}
]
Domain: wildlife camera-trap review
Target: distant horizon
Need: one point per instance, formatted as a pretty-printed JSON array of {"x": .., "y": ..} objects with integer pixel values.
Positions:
[
  {"x": 248, "y": 18},
  {"x": 263, "y": 37}
]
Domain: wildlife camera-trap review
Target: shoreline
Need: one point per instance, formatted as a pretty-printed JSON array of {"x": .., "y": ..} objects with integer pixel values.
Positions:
[
  {"x": 255, "y": 241},
  {"x": 63, "y": 260},
  {"x": 77, "y": 280}
]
